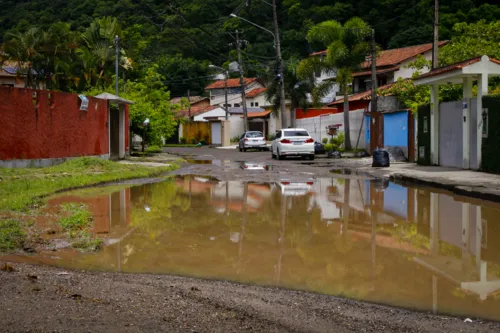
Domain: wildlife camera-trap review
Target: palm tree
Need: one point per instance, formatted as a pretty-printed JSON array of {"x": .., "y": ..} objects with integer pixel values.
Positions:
[
  {"x": 347, "y": 47},
  {"x": 295, "y": 90}
]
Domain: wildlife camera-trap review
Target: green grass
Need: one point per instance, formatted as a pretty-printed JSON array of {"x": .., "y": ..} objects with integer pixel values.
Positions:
[
  {"x": 79, "y": 217},
  {"x": 11, "y": 235},
  {"x": 153, "y": 149},
  {"x": 23, "y": 188}
]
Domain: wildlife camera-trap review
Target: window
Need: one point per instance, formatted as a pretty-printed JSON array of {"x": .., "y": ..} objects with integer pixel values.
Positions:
[
  {"x": 236, "y": 105},
  {"x": 227, "y": 105},
  {"x": 255, "y": 134},
  {"x": 296, "y": 133},
  {"x": 251, "y": 104},
  {"x": 256, "y": 103},
  {"x": 278, "y": 134}
]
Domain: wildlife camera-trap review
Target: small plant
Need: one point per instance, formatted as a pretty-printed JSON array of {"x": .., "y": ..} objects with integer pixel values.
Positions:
[
  {"x": 192, "y": 140},
  {"x": 271, "y": 137},
  {"x": 11, "y": 235},
  {"x": 235, "y": 139},
  {"x": 79, "y": 217},
  {"x": 324, "y": 141},
  {"x": 329, "y": 147},
  {"x": 153, "y": 150},
  {"x": 182, "y": 140},
  {"x": 86, "y": 242}
]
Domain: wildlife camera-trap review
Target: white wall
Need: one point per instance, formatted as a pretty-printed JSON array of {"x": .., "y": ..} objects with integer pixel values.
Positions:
[
  {"x": 236, "y": 125},
  {"x": 219, "y": 112},
  {"x": 261, "y": 99},
  {"x": 316, "y": 126},
  {"x": 407, "y": 73}
]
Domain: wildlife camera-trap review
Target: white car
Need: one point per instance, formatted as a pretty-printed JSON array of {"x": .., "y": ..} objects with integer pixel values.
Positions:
[
  {"x": 252, "y": 140},
  {"x": 292, "y": 142},
  {"x": 295, "y": 188}
]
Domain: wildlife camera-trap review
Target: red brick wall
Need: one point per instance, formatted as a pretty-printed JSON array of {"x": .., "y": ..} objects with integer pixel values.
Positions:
[
  {"x": 354, "y": 105},
  {"x": 56, "y": 128}
]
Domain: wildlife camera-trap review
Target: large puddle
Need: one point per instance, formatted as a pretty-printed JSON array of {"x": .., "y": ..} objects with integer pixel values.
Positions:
[{"x": 368, "y": 240}]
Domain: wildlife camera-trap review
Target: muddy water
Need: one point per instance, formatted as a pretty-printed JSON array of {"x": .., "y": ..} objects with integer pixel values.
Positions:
[{"x": 368, "y": 240}]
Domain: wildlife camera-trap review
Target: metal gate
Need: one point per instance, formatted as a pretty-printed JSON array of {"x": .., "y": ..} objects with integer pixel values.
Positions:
[
  {"x": 450, "y": 134},
  {"x": 216, "y": 133}
]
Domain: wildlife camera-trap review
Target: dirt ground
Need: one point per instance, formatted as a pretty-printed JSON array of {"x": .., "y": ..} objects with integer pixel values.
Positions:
[{"x": 48, "y": 299}]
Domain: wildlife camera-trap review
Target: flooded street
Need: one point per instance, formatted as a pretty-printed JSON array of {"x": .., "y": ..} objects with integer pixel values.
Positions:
[{"x": 363, "y": 239}]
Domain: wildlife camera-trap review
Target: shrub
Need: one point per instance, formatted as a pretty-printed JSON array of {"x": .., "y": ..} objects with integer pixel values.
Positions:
[
  {"x": 271, "y": 137},
  {"x": 153, "y": 149},
  {"x": 325, "y": 141},
  {"x": 235, "y": 139},
  {"x": 192, "y": 140},
  {"x": 182, "y": 140},
  {"x": 338, "y": 140},
  {"x": 329, "y": 147}
]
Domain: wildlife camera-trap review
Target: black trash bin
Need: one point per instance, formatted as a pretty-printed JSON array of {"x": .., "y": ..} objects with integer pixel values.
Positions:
[{"x": 381, "y": 158}]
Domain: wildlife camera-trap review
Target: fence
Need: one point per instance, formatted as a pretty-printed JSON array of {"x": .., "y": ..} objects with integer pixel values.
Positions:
[
  {"x": 316, "y": 126},
  {"x": 196, "y": 131}
]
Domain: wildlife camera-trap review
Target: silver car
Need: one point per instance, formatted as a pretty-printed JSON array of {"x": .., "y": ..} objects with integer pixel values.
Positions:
[{"x": 252, "y": 140}]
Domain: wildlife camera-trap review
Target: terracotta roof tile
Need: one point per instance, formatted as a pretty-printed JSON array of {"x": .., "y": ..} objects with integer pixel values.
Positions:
[
  {"x": 256, "y": 92},
  {"x": 196, "y": 111},
  {"x": 365, "y": 95},
  {"x": 396, "y": 56},
  {"x": 231, "y": 83},
  {"x": 258, "y": 114}
]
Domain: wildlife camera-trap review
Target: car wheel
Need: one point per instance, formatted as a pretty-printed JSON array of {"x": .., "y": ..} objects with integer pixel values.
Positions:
[{"x": 272, "y": 154}]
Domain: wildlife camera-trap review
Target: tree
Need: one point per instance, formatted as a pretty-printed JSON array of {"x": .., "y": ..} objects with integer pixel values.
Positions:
[
  {"x": 296, "y": 90},
  {"x": 347, "y": 48},
  {"x": 472, "y": 40}
]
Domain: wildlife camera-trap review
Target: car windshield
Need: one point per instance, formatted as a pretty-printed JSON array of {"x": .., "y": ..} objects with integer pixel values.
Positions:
[
  {"x": 296, "y": 133},
  {"x": 254, "y": 135}
]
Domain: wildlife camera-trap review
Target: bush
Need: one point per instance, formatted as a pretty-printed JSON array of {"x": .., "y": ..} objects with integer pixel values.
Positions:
[
  {"x": 153, "y": 149},
  {"x": 324, "y": 141},
  {"x": 329, "y": 147},
  {"x": 235, "y": 139},
  {"x": 338, "y": 140},
  {"x": 182, "y": 140},
  {"x": 192, "y": 140},
  {"x": 271, "y": 137}
]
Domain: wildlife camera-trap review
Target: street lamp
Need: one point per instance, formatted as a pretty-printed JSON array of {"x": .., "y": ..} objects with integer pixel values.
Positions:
[
  {"x": 226, "y": 74},
  {"x": 145, "y": 124},
  {"x": 277, "y": 46}
]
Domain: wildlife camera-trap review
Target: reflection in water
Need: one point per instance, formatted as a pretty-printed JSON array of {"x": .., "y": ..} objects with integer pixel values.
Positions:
[{"x": 364, "y": 239}]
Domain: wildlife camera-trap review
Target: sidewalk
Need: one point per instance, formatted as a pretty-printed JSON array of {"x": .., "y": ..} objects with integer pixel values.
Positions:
[{"x": 464, "y": 182}]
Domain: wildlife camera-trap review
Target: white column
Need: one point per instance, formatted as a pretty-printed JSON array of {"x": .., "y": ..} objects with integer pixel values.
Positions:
[
  {"x": 465, "y": 233},
  {"x": 482, "y": 89},
  {"x": 479, "y": 238},
  {"x": 466, "y": 128},
  {"x": 434, "y": 224},
  {"x": 435, "y": 125}
]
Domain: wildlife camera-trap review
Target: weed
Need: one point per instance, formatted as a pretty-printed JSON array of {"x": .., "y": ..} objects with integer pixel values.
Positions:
[
  {"x": 153, "y": 149},
  {"x": 11, "y": 235},
  {"x": 79, "y": 218},
  {"x": 87, "y": 242}
]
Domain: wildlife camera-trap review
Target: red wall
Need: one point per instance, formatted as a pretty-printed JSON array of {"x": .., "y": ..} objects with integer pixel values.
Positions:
[
  {"x": 36, "y": 127},
  {"x": 354, "y": 105},
  {"x": 300, "y": 114}
]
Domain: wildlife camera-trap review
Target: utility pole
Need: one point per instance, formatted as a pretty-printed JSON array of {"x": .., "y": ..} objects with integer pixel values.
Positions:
[
  {"x": 280, "y": 69},
  {"x": 242, "y": 83},
  {"x": 117, "y": 89},
  {"x": 374, "y": 73},
  {"x": 435, "y": 44},
  {"x": 226, "y": 107}
]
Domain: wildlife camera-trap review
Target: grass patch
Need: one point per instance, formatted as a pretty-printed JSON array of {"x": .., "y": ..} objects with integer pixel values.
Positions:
[
  {"x": 23, "y": 188},
  {"x": 153, "y": 149},
  {"x": 79, "y": 217},
  {"x": 87, "y": 242},
  {"x": 11, "y": 235}
]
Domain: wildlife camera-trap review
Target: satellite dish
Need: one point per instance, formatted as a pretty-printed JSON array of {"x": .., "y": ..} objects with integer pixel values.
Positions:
[{"x": 234, "y": 66}]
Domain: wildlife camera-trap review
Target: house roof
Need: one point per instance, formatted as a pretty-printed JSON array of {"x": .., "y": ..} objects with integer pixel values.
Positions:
[
  {"x": 114, "y": 98},
  {"x": 256, "y": 92},
  {"x": 258, "y": 114},
  {"x": 365, "y": 95},
  {"x": 231, "y": 83},
  {"x": 192, "y": 99},
  {"x": 240, "y": 110},
  {"x": 196, "y": 110},
  {"x": 458, "y": 65},
  {"x": 397, "y": 56}
]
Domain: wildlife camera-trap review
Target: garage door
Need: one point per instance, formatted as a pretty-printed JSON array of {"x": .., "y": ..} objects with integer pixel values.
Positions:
[{"x": 216, "y": 134}]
